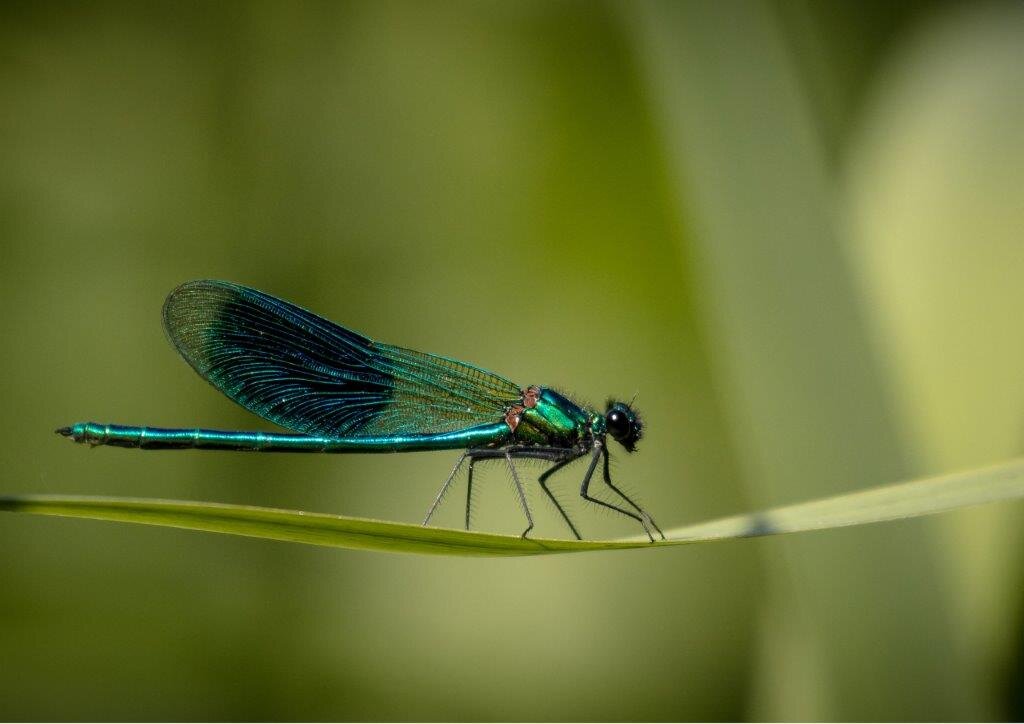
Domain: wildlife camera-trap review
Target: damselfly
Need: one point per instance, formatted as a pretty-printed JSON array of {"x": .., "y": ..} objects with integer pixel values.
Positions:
[{"x": 343, "y": 393}]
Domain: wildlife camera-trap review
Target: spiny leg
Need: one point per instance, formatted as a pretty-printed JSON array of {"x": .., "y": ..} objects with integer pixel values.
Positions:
[
  {"x": 543, "y": 480},
  {"x": 469, "y": 490},
  {"x": 610, "y": 484},
  {"x": 522, "y": 494},
  {"x": 444, "y": 489},
  {"x": 585, "y": 491}
]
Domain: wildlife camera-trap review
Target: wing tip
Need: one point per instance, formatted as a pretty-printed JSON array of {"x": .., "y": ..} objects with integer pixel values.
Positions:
[{"x": 178, "y": 300}]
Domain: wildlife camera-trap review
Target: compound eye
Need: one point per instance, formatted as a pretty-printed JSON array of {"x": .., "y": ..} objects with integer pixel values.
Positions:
[{"x": 619, "y": 424}]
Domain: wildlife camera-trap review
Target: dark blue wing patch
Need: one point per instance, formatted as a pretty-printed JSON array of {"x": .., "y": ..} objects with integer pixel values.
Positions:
[{"x": 308, "y": 374}]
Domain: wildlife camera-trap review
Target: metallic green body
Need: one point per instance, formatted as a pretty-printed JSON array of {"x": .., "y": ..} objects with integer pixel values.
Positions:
[
  {"x": 159, "y": 438},
  {"x": 555, "y": 421}
]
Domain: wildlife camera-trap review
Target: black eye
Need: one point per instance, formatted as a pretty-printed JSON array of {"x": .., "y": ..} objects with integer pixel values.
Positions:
[
  {"x": 623, "y": 423},
  {"x": 619, "y": 424}
]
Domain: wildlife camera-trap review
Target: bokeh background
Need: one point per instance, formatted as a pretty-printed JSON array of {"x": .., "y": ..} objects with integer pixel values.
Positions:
[{"x": 793, "y": 228}]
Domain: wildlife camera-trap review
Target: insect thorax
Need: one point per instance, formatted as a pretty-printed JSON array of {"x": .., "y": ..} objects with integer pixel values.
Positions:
[{"x": 548, "y": 418}]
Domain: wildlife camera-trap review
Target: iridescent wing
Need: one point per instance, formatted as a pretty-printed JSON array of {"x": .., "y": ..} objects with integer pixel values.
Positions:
[{"x": 308, "y": 374}]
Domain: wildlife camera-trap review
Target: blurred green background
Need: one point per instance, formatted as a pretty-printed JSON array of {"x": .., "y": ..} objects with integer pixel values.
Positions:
[{"x": 793, "y": 228}]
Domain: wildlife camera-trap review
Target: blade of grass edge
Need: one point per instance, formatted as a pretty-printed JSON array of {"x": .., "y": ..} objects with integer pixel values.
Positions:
[{"x": 890, "y": 502}]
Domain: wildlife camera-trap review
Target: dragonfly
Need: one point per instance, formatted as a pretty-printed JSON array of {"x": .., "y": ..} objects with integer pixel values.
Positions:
[{"x": 341, "y": 392}]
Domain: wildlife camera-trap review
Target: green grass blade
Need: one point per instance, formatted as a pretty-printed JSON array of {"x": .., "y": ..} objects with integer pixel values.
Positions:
[{"x": 890, "y": 502}]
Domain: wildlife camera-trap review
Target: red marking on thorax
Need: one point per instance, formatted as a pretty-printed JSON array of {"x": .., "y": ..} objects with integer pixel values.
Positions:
[
  {"x": 515, "y": 413},
  {"x": 512, "y": 416}
]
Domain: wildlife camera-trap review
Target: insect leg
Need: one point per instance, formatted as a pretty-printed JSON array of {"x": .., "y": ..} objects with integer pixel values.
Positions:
[
  {"x": 543, "y": 480},
  {"x": 585, "y": 490},
  {"x": 469, "y": 490},
  {"x": 522, "y": 494},
  {"x": 610, "y": 484},
  {"x": 444, "y": 489}
]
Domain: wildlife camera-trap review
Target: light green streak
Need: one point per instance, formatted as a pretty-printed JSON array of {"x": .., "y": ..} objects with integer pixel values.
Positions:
[{"x": 890, "y": 502}]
